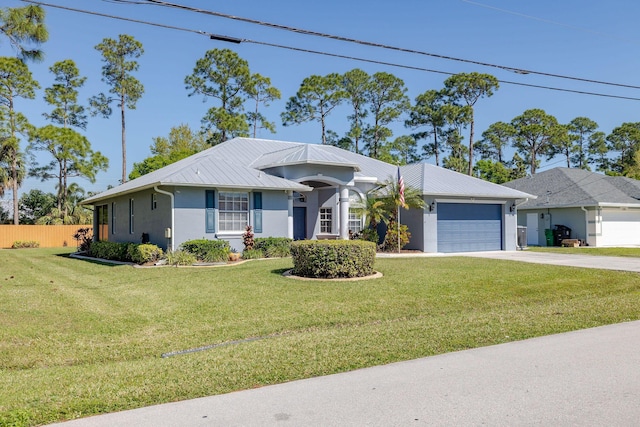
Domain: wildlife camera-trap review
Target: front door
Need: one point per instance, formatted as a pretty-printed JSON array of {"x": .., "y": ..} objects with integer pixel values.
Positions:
[
  {"x": 103, "y": 223},
  {"x": 532, "y": 229},
  {"x": 299, "y": 223}
]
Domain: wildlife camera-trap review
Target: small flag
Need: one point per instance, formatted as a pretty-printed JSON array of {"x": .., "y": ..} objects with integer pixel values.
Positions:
[{"x": 401, "y": 188}]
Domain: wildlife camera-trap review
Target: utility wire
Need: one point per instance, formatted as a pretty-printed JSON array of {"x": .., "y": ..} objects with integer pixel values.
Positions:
[
  {"x": 378, "y": 45},
  {"x": 548, "y": 21},
  {"x": 334, "y": 55}
]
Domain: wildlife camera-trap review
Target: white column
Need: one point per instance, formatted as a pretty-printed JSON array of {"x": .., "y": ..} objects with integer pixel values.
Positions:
[
  {"x": 344, "y": 212},
  {"x": 290, "y": 214}
]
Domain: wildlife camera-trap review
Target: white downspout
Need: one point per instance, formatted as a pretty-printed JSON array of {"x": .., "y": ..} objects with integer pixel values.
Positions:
[
  {"x": 586, "y": 224},
  {"x": 173, "y": 231}
]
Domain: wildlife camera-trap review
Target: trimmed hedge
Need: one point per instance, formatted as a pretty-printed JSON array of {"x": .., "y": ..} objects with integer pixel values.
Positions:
[
  {"x": 110, "y": 250},
  {"x": 330, "y": 259},
  {"x": 208, "y": 250},
  {"x": 126, "y": 252},
  {"x": 273, "y": 247}
]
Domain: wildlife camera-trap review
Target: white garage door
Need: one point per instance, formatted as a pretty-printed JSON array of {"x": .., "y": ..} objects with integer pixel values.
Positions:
[{"x": 620, "y": 227}]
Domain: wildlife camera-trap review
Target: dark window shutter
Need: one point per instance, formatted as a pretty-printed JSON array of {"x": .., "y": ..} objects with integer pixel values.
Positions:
[
  {"x": 210, "y": 211},
  {"x": 257, "y": 212}
]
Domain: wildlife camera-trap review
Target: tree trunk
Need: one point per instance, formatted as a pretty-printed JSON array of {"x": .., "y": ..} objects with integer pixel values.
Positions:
[
  {"x": 64, "y": 189},
  {"x": 14, "y": 187},
  {"x": 471, "y": 146},
  {"x": 533, "y": 162},
  {"x": 436, "y": 148},
  {"x": 124, "y": 142}
]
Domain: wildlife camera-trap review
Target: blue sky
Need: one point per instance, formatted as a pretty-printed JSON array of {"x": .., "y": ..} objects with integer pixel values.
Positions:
[{"x": 587, "y": 39}]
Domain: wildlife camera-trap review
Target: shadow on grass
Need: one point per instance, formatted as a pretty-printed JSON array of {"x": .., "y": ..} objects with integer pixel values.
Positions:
[
  {"x": 91, "y": 260},
  {"x": 280, "y": 271}
]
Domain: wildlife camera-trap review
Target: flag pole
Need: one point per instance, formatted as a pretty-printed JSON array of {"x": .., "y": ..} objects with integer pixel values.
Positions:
[
  {"x": 400, "y": 203},
  {"x": 398, "y": 225}
]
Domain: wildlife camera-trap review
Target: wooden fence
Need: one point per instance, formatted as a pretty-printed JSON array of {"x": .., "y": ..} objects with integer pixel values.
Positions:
[{"x": 48, "y": 236}]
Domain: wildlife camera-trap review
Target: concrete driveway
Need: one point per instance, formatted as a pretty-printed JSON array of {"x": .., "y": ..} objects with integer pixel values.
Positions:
[
  {"x": 586, "y": 378},
  {"x": 570, "y": 260}
]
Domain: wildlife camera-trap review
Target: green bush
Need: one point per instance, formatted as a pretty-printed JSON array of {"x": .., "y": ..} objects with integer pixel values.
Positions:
[
  {"x": 144, "y": 253},
  {"x": 110, "y": 250},
  {"x": 208, "y": 250},
  {"x": 333, "y": 258},
  {"x": 25, "y": 244},
  {"x": 391, "y": 239},
  {"x": 274, "y": 247},
  {"x": 180, "y": 257},
  {"x": 252, "y": 254}
]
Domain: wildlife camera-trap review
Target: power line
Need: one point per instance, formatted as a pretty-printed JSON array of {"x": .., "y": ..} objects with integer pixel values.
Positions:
[
  {"x": 378, "y": 45},
  {"x": 316, "y": 52},
  {"x": 548, "y": 21}
]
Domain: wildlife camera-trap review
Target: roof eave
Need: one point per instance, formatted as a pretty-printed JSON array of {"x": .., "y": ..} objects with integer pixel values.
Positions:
[
  {"x": 95, "y": 199},
  {"x": 354, "y": 166}
]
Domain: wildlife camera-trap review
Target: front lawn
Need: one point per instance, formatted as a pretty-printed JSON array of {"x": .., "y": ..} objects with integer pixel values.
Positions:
[
  {"x": 79, "y": 338},
  {"x": 587, "y": 250}
]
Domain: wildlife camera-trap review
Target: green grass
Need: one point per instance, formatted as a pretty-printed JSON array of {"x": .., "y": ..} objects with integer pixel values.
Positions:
[
  {"x": 79, "y": 338},
  {"x": 587, "y": 250}
]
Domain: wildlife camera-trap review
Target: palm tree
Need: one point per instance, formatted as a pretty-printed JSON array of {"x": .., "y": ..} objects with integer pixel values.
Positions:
[{"x": 390, "y": 196}]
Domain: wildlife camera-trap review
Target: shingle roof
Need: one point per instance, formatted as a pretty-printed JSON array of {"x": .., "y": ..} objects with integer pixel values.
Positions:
[
  {"x": 436, "y": 181},
  {"x": 564, "y": 187}
]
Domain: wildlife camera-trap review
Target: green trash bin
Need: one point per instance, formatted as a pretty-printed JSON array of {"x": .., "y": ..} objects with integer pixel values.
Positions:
[{"x": 548, "y": 234}]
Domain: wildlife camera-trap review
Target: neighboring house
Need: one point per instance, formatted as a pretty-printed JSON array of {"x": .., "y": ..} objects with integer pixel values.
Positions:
[
  {"x": 600, "y": 210},
  {"x": 301, "y": 191}
]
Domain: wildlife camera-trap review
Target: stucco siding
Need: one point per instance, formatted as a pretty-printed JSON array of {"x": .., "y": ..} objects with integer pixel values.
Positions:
[{"x": 414, "y": 220}]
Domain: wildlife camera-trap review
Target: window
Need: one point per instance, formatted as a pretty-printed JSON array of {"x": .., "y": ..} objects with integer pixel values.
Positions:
[
  {"x": 154, "y": 202},
  {"x": 130, "y": 216},
  {"x": 355, "y": 221},
  {"x": 234, "y": 211},
  {"x": 355, "y": 217},
  {"x": 113, "y": 218},
  {"x": 326, "y": 220}
]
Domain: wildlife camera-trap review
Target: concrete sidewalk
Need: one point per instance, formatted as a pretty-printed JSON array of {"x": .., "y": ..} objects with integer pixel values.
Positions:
[{"x": 588, "y": 378}]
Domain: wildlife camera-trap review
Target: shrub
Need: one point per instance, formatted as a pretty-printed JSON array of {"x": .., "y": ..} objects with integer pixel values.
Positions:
[
  {"x": 391, "y": 239},
  {"x": 180, "y": 258},
  {"x": 25, "y": 244},
  {"x": 247, "y": 238},
  {"x": 274, "y": 247},
  {"x": 367, "y": 234},
  {"x": 208, "y": 250},
  {"x": 333, "y": 258},
  {"x": 145, "y": 253},
  {"x": 110, "y": 250},
  {"x": 84, "y": 238},
  {"x": 252, "y": 254}
]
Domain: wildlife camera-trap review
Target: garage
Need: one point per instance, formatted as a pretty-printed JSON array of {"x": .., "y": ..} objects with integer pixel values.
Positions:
[
  {"x": 469, "y": 227},
  {"x": 620, "y": 227}
]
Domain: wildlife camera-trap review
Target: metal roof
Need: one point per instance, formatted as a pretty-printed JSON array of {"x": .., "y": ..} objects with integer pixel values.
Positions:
[
  {"x": 437, "y": 181},
  {"x": 239, "y": 163},
  {"x": 565, "y": 187},
  {"x": 303, "y": 154}
]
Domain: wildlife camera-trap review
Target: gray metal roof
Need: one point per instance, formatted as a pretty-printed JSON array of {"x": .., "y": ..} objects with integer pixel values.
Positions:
[
  {"x": 303, "y": 154},
  {"x": 239, "y": 163},
  {"x": 565, "y": 187},
  {"x": 437, "y": 181}
]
